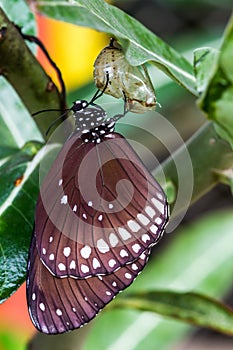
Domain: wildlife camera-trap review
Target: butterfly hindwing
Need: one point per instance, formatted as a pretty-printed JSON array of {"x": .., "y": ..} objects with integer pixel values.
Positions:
[
  {"x": 99, "y": 208},
  {"x": 57, "y": 305}
]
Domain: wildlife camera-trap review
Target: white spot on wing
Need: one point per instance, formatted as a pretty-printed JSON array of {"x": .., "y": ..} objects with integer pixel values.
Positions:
[
  {"x": 136, "y": 247},
  {"x": 60, "y": 182},
  {"x": 84, "y": 268},
  {"x": 66, "y": 251},
  {"x": 134, "y": 267},
  {"x": 95, "y": 263},
  {"x": 50, "y": 239},
  {"x": 85, "y": 251},
  {"x": 59, "y": 312},
  {"x": 128, "y": 275},
  {"x": 33, "y": 296},
  {"x": 100, "y": 217},
  {"x": 113, "y": 239},
  {"x": 75, "y": 208},
  {"x": 102, "y": 246},
  {"x": 42, "y": 306},
  {"x": 142, "y": 256},
  {"x": 90, "y": 204},
  {"x": 158, "y": 221},
  {"x": 61, "y": 267},
  {"x": 154, "y": 229},
  {"x": 112, "y": 263},
  {"x": 150, "y": 211},
  {"x": 51, "y": 257},
  {"x": 158, "y": 205},
  {"x": 145, "y": 237},
  {"x": 124, "y": 233},
  {"x": 133, "y": 225},
  {"x": 72, "y": 265},
  {"x": 143, "y": 219},
  {"x": 159, "y": 195},
  {"x": 43, "y": 251},
  {"x": 123, "y": 253},
  {"x": 64, "y": 199}
]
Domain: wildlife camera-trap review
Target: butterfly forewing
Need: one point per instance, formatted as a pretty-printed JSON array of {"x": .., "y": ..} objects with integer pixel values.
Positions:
[
  {"x": 99, "y": 209},
  {"x": 57, "y": 305}
]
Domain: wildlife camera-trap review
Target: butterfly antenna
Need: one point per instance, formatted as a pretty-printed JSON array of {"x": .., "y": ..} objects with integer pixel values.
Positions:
[
  {"x": 49, "y": 110},
  {"x": 56, "y": 120}
]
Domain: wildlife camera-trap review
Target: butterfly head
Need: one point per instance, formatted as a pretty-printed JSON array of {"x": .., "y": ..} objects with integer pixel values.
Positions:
[{"x": 79, "y": 106}]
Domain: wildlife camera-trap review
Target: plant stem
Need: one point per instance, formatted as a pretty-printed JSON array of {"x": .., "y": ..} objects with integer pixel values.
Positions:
[{"x": 21, "y": 69}]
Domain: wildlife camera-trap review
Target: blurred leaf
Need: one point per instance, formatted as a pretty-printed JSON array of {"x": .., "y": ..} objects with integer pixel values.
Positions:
[
  {"x": 205, "y": 61},
  {"x": 12, "y": 171},
  {"x": 192, "y": 308},
  {"x": 141, "y": 44},
  {"x": 225, "y": 177},
  {"x": 191, "y": 168},
  {"x": 19, "y": 187},
  {"x": 200, "y": 258},
  {"x": 19, "y": 12},
  {"x": 19, "y": 190},
  {"x": 11, "y": 341},
  {"x": 19, "y": 176},
  {"x": 217, "y": 100},
  {"x": 13, "y": 116},
  {"x": 170, "y": 190}
]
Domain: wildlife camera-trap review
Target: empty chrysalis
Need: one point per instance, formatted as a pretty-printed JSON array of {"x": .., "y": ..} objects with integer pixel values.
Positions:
[{"x": 113, "y": 73}]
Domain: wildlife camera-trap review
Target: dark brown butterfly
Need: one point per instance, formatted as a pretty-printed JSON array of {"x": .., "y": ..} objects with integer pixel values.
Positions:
[{"x": 99, "y": 211}]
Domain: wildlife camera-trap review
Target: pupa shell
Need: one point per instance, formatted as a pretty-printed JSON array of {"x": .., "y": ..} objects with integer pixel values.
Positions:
[{"x": 114, "y": 75}]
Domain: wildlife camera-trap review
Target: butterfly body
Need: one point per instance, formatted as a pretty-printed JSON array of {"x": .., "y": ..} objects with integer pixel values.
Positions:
[{"x": 98, "y": 213}]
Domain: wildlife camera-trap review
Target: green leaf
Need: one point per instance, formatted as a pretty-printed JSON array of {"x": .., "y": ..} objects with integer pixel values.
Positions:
[
  {"x": 140, "y": 44},
  {"x": 205, "y": 61},
  {"x": 225, "y": 177},
  {"x": 19, "y": 12},
  {"x": 217, "y": 99},
  {"x": 192, "y": 308},
  {"x": 198, "y": 258},
  {"x": 12, "y": 116},
  {"x": 12, "y": 340},
  {"x": 20, "y": 178},
  {"x": 198, "y": 158}
]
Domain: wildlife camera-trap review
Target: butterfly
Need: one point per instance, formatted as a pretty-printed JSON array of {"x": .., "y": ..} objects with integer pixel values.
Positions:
[
  {"x": 114, "y": 75},
  {"x": 98, "y": 214}
]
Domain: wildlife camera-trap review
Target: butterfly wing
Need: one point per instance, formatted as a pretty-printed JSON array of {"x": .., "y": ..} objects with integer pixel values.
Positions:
[
  {"x": 98, "y": 210},
  {"x": 57, "y": 305}
]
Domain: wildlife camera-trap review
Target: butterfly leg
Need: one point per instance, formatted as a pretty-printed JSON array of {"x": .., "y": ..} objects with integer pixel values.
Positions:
[{"x": 99, "y": 93}]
